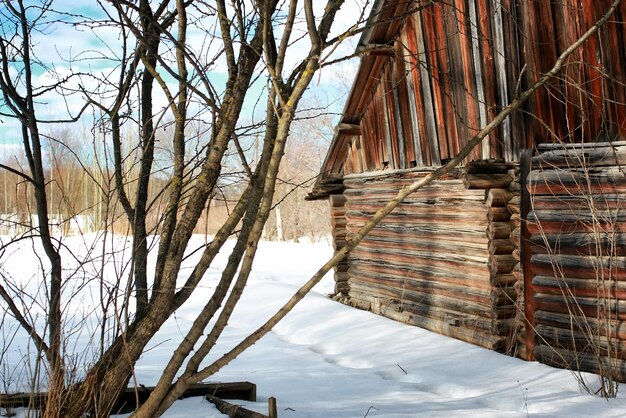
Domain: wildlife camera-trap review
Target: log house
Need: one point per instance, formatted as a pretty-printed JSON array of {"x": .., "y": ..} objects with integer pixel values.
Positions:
[{"x": 520, "y": 250}]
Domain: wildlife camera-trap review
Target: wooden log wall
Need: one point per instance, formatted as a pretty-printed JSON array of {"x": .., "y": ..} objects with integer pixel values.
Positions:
[
  {"x": 577, "y": 232},
  {"x": 516, "y": 206},
  {"x": 443, "y": 259},
  {"x": 338, "y": 224}
]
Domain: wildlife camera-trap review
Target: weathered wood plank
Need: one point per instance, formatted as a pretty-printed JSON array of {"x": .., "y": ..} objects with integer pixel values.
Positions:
[
  {"x": 498, "y": 197},
  {"x": 466, "y": 237},
  {"x": 555, "y": 221},
  {"x": 499, "y": 230},
  {"x": 487, "y": 181},
  {"x": 600, "y": 181},
  {"x": 128, "y": 398},
  {"x": 580, "y": 202},
  {"x": 600, "y": 327},
  {"x": 602, "y": 243},
  {"x": 563, "y": 358},
  {"x": 590, "y": 287},
  {"x": 233, "y": 411},
  {"x": 448, "y": 262},
  {"x": 581, "y": 342},
  {"x": 579, "y": 267},
  {"x": 579, "y": 306},
  {"x": 587, "y": 155},
  {"x": 417, "y": 271}
]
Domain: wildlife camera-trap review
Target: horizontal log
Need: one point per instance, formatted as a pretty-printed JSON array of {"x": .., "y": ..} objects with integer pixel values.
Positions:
[
  {"x": 489, "y": 167},
  {"x": 586, "y": 362},
  {"x": 231, "y": 410},
  {"x": 505, "y": 279},
  {"x": 404, "y": 218},
  {"x": 399, "y": 273},
  {"x": 451, "y": 286},
  {"x": 339, "y": 222},
  {"x": 499, "y": 230},
  {"x": 439, "y": 321},
  {"x": 342, "y": 266},
  {"x": 501, "y": 246},
  {"x": 581, "y": 157},
  {"x": 127, "y": 400},
  {"x": 581, "y": 342},
  {"x": 499, "y": 214},
  {"x": 600, "y": 327},
  {"x": 427, "y": 300},
  {"x": 342, "y": 289},
  {"x": 498, "y": 197},
  {"x": 338, "y": 244},
  {"x": 505, "y": 295},
  {"x": 414, "y": 290},
  {"x": 342, "y": 276},
  {"x": 487, "y": 181},
  {"x": 397, "y": 182},
  {"x": 580, "y": 244},
  {"x": 589, "y": 287},
  {"x": 547, "y": 146},
  {"x": 478, "y": 211},
  {"x": 439, "y": 195},
  {"x": 562, "y": 221},
  {"x": 580, "y": 306},
  {"x": 415, "y": 260},
  {"x": 461, "y": 232},
  {"x": 579, "y": 203},
  {"x": 404, "y": 311},
  {"x": 501, "y": 264},
  {"x": 579, "y": 267},
  {"x": 435, "y": 246},
  {"x": 348, "y": 129},
  {"x": 337, "y": 200},
  {"x": 593, "y": 181}
]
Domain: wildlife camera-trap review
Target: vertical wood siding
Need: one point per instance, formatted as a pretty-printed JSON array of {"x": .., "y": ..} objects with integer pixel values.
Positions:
[{"x": 458, "y": 63}]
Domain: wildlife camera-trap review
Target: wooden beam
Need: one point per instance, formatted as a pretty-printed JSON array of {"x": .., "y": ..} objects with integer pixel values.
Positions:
[
  {"x": 348, "y": 129},
  {"x": 128, "y": 398},
  {"x": 378, "y": 50},
  {"x": 233, "y": 411}
]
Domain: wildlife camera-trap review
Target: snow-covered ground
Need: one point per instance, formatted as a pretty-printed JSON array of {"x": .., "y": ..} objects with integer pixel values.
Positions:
[{"x": 328, "y": 360}]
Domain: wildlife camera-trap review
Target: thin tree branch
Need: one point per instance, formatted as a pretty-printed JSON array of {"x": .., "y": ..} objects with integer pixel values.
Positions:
[{"x": 403, "y": 193}]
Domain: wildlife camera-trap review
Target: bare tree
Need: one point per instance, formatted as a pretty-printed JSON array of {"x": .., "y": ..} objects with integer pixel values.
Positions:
[
  {"x": 155, "y": 55},
  {"x": 160, "y": 81}
]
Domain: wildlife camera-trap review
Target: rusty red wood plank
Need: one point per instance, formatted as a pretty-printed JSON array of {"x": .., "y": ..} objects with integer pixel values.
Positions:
[
  {"x": 392, "y": 126},
  {"x": 471, "y": 125},
  {"x": 401, "y": 80},
  {"x": 428, "y": 142},
  {"x": 614, "y": 61},
  {"x": 488, "y": 72},
  {"x": 429, "y": 33},
  {"x": 594, "y": 85},
  {"x": 449, "y": 109}
]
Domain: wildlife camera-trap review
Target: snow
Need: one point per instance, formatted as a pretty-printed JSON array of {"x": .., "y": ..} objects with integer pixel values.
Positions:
[{"x": 329, "y": 360}]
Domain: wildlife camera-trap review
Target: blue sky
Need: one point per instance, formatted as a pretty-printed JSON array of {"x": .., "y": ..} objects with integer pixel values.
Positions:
[{"x": 67, "y": 48}]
